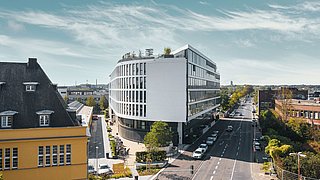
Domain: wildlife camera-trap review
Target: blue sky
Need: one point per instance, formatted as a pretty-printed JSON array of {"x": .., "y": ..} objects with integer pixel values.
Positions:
[{"x": 252, "y": 41}]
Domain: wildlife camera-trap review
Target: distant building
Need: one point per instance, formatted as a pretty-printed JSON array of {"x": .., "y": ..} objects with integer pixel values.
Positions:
[
  {"x": 305, "y": 109},
  {"x": 175, "y": 89},
  {"x": 266, "y": 98},
  {"x": 82, "y": 92},
  {"x": 39, "y": 137}
]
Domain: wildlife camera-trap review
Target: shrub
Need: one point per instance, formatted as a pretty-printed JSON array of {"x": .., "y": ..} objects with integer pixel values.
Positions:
[
  {"x": 113, "y": 147},
  {"x": 154, "y": 156}
]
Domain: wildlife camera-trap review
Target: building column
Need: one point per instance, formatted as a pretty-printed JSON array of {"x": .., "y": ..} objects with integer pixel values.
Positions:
[{"x": 180, "y": 134}]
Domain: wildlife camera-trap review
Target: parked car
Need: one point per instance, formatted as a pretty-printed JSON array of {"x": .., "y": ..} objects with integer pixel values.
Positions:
[
  {"x": 197, "y": 154},
  {"x": 215, "y": 132},
  {"x": 229, "y": 128},
  {"x": 104, "y": 169},
  {"x": 256, "y": 143},
  {"x": 95, "y": 117},
  {"x": 215, "y": 136},
  {"x": 210, "y": 141},
  {"x": 91, "y": 169},
  {"x": 204, "y": 147},
  {"x": 257, "y": 148},
  {"x": 256, "y": 139}
]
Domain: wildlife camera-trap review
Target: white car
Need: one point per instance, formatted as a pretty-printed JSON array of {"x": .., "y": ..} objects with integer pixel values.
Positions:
[
  {"x": 257, "y": 148},
  {"x": 197, "y": 154},
  {"x": 91, "y": 169},
  {"x": 230, "y": 128},
  {"x": 215, "y": 132},
  {"x": 210, "y": 140},
  {"x": 204, "y": 147},
  {"x": 104, "y": 169},
  {"x": 256, "y": 143}
]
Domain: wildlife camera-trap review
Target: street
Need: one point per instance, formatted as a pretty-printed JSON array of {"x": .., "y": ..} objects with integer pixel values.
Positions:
[{"x": 229, "y": 158}]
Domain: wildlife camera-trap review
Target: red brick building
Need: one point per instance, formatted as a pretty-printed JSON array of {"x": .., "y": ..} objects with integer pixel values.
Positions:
[{"x": 305, "y": 109}]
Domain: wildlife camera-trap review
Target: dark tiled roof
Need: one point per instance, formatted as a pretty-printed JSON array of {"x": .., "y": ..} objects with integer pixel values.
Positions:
[{"x": 14, "y": 97}]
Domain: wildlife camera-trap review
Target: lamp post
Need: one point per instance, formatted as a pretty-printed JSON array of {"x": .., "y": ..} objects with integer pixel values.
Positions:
[
  {"x": 97, "y": 160},
  {"x": 298, "y": 154}
]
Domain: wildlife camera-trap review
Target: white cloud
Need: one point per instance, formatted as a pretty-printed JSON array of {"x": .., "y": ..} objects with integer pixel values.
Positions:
[
  {"x": 204, "y": 2},
  {"x": 244, "y": 43},
  {"x": 15, "y": 26}
]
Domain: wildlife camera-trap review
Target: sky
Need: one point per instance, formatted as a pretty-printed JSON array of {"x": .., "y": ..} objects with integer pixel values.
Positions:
[{"x": 251, "y": 41}]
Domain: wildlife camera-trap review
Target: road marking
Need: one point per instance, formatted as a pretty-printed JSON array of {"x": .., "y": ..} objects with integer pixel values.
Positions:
[
  {"x": 218, "y": 163},
  {"x": 219, "y": 159},
  {"x": 238, "y": 147},
  {"x": 221, "y": 155},
  {"x": 214, "y": 172},
  {"x": 234, "y": 166},
  {"x": 216, "y": 167},
  {"x": 237, "y": 153},
  {"x": 211, "y": 178}
]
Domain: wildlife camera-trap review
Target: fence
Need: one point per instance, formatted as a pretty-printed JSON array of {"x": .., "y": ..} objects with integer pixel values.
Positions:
[{"x": 287, "y": 175}]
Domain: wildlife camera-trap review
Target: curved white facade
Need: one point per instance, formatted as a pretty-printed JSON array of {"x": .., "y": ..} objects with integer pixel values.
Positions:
[{"x": 175, "y": 90}]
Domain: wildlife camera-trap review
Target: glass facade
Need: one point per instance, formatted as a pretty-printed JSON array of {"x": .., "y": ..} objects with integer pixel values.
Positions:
[{"x": 203, "y": 82}]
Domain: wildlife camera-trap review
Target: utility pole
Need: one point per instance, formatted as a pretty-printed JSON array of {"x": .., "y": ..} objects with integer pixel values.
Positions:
[{"x": 298, "y": 154}]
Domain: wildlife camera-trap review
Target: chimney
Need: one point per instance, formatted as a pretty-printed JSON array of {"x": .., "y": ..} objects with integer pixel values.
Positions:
[{"x": 32, "y": 63}]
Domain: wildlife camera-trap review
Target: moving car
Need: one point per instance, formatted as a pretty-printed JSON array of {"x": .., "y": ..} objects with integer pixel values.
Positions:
[
  {"x": 215, "y": 132},
  {"x": 230, "y": 128},
  {"x": 197, "y": 154},
  {"x": 210, "y": 140},
  {"x": 256, "y": 143},
  {"x": 204, "y": 147},
  {"x": 104, "y": 169}
]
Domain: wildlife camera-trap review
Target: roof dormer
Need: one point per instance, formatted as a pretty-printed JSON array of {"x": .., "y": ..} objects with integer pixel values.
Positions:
[
  {"x": 6, "y": 118},
  {"x": 44, "y": 117},
  {"x": 2, "y": 84},
  {"x": 30, "y": 86}
]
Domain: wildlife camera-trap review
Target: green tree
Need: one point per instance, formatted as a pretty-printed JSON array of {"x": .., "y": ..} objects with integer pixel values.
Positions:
[
  {"x": 167, "y": 51},
  {"x": 66, "y": 98},
  {"x": 90, "y": 101},
  {"x": 102, "y": 103},
  {"x": 160, "y": 135}
]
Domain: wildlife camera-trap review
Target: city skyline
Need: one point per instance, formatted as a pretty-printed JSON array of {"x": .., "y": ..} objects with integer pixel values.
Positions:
[{"x": 252, "y": 42}]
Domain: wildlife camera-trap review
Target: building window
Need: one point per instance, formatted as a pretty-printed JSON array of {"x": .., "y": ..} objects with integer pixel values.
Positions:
[
  {"x": 55, "y": 155},
  {"x": 0, "y": 159},
  {"x": 15, "y": 158},
  {"x": 44, "y": 120},
  {"x": 30, "y": 87},
  {"x": 40, "y": 156},
  {"x": 61, "y": 155},
  {"x": 7, "y": 158},
  {"x": 6, "y": 121},
  {"x": 48, "y": 162},
  {"x": 68, "y": 153}
]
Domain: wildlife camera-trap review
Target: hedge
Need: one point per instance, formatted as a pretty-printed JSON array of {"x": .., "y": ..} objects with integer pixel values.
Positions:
[{"x": 154, "y": 155}]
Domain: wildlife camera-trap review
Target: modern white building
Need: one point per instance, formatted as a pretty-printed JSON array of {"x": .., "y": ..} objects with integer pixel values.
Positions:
[{"x": 175, "y": 89}]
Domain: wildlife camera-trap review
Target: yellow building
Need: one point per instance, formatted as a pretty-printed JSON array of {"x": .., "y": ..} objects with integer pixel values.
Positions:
[{"x": 39, "y": 137}]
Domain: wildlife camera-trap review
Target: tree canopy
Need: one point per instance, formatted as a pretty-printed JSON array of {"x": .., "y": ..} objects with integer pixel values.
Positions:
[
  {"x": 90, "y": 101},
  {"x": 160, "y": 135}
]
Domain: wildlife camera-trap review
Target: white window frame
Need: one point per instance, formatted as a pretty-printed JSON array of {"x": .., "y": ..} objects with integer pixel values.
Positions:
[
  {"x": 14, "y": 158},
  {"x": 55, "y": 155},
  {"x": 61, "y": 154},
  {"x": 7, "y": 158},
  {"x": 1, "y": 167},
  {"x": 30, "y": 87},
  {"x": 44, "y": 119},
  {"x": 5, "y": 121},
  {"x": 40, "y": 156},
  {"x": 48, "y": 155},
  {"x": 68, "y": 154}
]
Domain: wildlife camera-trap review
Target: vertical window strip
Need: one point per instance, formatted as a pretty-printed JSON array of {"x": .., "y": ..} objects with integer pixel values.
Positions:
[
  {"x": 15, "y": 158},
  {"x": 68, "y": 154},
  {"x": 54, "y": 155},
  {"x": 61, "y": 155},
  {"x": 0, "y": 159},
  {"x": 48, "y": 154},
  {"x": 40, "y": 156},
  {"x": 7, "y": 158}
]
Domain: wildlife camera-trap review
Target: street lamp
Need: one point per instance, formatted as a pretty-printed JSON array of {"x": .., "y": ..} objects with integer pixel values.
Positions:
[
  {"x": 298, "y": 154},
  {"x": 97, "y": 160}
]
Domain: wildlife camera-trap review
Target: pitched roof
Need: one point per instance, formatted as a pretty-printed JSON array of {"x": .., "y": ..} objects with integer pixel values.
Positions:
[{"x": 14, "y": 97}]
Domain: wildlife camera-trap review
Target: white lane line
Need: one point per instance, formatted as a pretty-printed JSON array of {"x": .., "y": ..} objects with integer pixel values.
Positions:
[
  {"x": 214, "y": 172},
  {"x": 218, "y": 163},
  {"x": 237, "y": 154},
  {"x": 211, "y": 178},
  {"x": 216, "y": 167},
  {"x": 234, "y": 166},
  {"x": 238, "y": 147},
  {"x": 219, "y": 159},
  {"x": 221, "y": 155}
]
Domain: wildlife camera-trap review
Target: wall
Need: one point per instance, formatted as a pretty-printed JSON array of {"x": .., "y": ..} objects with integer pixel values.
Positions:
[{"x": 166, "y": 89}]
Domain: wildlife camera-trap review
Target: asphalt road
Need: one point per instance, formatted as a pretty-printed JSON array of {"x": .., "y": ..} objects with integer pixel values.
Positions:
[
  {"x": 229, "y": 158},
  {"x": 96, "y": 140}
]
